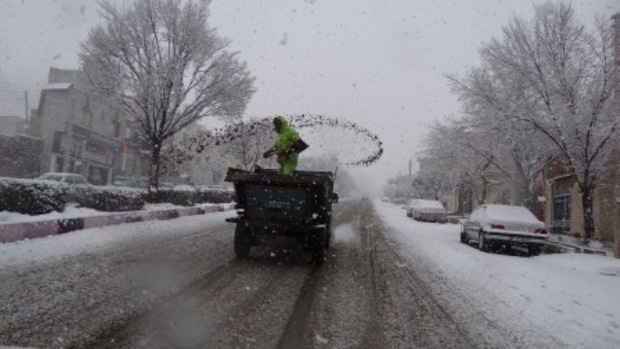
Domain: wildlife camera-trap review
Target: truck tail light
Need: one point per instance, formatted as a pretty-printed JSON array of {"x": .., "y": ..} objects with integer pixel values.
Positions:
[{"x": 497, "y": 226}]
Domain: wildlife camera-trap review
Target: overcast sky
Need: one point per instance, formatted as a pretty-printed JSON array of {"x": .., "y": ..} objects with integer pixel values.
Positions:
[{"x": 377, "y": 63}]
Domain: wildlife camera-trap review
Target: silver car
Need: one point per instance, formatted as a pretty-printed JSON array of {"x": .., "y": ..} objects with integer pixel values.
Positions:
[
  {"x": 491, "y": 226},
  {"x": 427, "y": 211},
  {"x": 64, "y": 177}
]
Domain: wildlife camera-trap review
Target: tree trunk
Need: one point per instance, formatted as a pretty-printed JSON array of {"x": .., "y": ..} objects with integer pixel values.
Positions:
[
  {"x": 484, "y": 188},
  {"x": 587, "y": 203},
  {"x": 527, "y": 197},
  {"x": 155, "y": 165}
]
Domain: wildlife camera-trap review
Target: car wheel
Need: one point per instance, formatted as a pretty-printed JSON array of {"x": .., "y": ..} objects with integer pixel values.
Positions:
[
  {"x": 464, "y": 238},
  {"x": 482, "y": 244},
  {"x": 533, "y": 251}
]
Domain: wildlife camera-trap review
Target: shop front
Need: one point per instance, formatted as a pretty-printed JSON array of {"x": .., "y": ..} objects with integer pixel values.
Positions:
[{"x": 83, "y": 151}]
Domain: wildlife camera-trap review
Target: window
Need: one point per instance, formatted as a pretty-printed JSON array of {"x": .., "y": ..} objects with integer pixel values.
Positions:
[{"x": 561, "y": 214}]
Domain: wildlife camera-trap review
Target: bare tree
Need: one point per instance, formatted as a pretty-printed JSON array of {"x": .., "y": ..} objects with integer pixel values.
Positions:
[
  {"x": 511, "y": 148},
  {"x": 166, "y": 66},
  {"x": 452, "y": 149},
  {"x": 426, "y": 186},
  {"x": 559, "y": 79}
]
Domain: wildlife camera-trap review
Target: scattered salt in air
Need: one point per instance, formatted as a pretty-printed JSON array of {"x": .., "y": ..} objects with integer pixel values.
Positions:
[
  {"x": 321, "y": 340},
  {"x": 399, "y": 264}
]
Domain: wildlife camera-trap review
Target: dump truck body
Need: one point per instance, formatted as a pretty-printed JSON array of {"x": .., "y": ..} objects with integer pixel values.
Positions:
[{"x": 281, "y": 210}]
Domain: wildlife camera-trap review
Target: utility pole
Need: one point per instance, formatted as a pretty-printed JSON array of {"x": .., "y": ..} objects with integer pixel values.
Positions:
[
  {"x": 26, "y": 103},
  {"x": 409, "y": 171},
  {"x": 409, "y": 183}
]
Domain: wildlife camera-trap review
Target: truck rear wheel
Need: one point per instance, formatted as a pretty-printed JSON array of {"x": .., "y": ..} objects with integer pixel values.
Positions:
[
  {"x": 318, "y": 246},
  {"x": 328, "y": 238},
  {"x": 242, "y": 242}
]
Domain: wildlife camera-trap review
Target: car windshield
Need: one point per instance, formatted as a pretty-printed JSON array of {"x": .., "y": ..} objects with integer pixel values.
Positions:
[
  {"x": 310, "y": 174},
  {"x": 76, "y": 179}
]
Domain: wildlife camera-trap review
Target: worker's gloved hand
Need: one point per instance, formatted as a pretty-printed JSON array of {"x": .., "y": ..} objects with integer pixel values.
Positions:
[{"x": 268, "y": 153}]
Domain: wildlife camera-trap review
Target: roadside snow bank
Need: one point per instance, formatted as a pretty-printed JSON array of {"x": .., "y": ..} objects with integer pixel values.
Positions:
[
  {"x": 572, "y": 297},
  {"x": 90, "y": 240}
]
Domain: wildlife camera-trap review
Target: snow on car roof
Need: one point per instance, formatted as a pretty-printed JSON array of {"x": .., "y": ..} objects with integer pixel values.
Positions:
[{"x": 509, "y": 213}]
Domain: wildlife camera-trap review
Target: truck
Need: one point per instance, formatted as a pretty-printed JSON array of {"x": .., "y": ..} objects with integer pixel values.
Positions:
[{"x": 282, "y": 210}]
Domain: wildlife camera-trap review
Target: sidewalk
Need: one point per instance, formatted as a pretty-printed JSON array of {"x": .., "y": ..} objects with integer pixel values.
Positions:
[
  {"x": 11, "y": 232},
  {"x": 558, "y": 243}
]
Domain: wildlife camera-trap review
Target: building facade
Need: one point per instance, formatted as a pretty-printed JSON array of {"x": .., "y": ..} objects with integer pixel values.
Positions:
[{"x": 81, "y": 134}]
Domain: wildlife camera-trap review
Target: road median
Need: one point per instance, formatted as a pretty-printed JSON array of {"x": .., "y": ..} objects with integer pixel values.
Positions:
[{"x": 16, "y": 231}]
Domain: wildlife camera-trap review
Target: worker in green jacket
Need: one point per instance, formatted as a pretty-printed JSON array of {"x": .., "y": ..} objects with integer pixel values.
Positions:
[{"x": 288, "y": 145}]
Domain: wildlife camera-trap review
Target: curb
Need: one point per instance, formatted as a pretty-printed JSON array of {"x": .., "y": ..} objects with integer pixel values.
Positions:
[{"x": 31, "y": 230}]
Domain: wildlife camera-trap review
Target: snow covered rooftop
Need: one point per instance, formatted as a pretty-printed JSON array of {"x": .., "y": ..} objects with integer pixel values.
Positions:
[{"x": 58, "y": 86}]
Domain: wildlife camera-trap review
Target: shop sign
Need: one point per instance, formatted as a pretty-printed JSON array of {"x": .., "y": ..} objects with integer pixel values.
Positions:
[{"x": 92, "y": 146}]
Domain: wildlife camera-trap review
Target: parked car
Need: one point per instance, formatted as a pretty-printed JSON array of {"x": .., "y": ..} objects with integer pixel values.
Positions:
[
  {"x": 131, "y": 182},
  {"x": 184, "y": 187},
  {"x": 427, "y": 211},
  {"x": 165, "y": 185},
  {"x": 64, "y": 177},
  {"x": 492, "y": 226},
  {"x": 399, "y": 201}
]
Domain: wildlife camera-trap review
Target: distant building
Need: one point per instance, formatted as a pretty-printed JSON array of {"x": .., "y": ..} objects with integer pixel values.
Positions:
[
  {"x": 13, "y": 125},
  {"x": 82, "y": 134}
]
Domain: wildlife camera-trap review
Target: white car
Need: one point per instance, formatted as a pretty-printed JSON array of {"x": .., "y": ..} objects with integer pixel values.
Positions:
[
  {"x": 504, "y": 225},
  {"x": 64, "y": 177},
  {"x": 427, "y": 211},
  {"x": 184, "y": 187}
]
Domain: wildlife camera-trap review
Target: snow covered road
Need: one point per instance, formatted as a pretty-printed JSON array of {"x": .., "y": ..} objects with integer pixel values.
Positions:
[
  {"x": 388, "y": 282},
  {"x": 548, "y": 301}
]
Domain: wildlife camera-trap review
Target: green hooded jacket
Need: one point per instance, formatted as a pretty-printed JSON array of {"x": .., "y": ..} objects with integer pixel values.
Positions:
[{"x": 287, "y": 157}]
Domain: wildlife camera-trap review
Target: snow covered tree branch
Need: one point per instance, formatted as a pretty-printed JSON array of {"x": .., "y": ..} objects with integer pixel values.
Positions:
[
  {"x": 553, "y": 75},
  {"x": 166, "y": 66}
]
